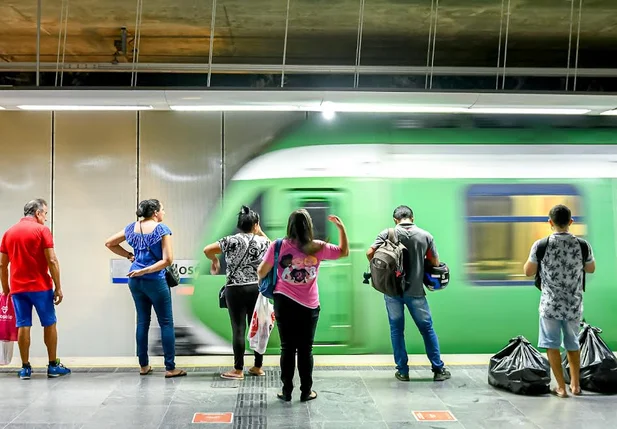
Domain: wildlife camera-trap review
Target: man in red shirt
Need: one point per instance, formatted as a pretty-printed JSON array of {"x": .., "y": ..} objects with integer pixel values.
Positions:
[{"x": 28, "y": 249}]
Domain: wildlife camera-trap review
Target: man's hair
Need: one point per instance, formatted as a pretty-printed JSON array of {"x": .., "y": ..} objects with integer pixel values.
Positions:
[
  {"x": 33, "y": 206},
  {"x": 402, "y": 212},
  {"x": 560, "y": 215}
]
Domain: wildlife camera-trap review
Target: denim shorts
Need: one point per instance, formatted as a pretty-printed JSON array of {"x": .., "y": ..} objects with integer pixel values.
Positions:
[
  {"x": 43, "y": 302},
  {"x": 551, "y": 331}
]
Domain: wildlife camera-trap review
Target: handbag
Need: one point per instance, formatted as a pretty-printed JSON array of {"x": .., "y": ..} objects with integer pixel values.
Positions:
[
  {"x": 267, "y": 284},
  {"x": 172, "y": 277},
  {"x": 222, "y": 300}
]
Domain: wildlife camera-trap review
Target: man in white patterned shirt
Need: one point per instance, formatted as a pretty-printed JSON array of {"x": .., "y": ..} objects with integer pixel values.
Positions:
[{"x": 562, "y": 271}]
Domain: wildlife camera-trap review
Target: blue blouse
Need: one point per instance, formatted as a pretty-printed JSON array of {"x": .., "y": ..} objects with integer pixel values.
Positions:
[{"x": 140, "y": 243}]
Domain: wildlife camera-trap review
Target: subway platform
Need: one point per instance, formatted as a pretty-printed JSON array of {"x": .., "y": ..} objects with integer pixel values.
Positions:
[{"x": 358, "y": 392}]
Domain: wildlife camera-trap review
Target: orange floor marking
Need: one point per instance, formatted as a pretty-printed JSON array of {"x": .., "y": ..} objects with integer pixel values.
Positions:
[
  {"x": 213, "y": 418},
  {"x": 434, "y": 416}
]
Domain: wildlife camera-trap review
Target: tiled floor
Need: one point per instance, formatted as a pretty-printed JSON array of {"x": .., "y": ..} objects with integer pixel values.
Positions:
[{"x": 354, "y": 397}]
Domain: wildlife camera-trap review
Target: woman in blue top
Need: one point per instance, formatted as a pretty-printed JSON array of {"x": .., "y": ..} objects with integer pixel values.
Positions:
[{"x": 151, "y": 242}]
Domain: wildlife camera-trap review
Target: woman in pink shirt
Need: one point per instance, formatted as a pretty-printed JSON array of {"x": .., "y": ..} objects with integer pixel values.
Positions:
[{"x": 296, "y": 296}]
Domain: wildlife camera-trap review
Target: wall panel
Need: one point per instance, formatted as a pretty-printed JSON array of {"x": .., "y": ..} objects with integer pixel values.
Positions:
[
  {"x": 25, "y": 173},
  {"x": 94, "y": 196},
  {"x": 180, "y": 164}
]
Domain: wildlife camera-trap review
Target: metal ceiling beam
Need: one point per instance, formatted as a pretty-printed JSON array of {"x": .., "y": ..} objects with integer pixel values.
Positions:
[{"x": 307, "y": 69}]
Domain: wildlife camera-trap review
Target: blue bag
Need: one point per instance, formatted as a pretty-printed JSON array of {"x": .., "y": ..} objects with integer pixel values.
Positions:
[{"x": 266, "y": 285}]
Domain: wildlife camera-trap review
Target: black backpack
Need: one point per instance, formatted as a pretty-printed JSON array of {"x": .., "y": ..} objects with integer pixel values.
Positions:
[{"x": 541, "y": 251}]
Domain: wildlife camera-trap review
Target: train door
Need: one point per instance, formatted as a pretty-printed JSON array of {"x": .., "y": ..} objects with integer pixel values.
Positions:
[{"x": 334, "y": 328}]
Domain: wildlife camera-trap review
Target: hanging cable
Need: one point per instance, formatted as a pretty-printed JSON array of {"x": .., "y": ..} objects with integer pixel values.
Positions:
[
  {"x": 212, "y": 24},
  {"x": 428, "y": 44},
  {"x": 505, "y": 48},
  {"x": 285, "y": 44},
  {"x": 570, "y": 43},
  {"x": 578, "y": 39},
  {"x": 499, "y": 47},
  {"x": 356, "y": 76},
  {"x": 434, "y": 39},
  {"x": 136, "y": 41},
  {"x": 63, "y": 25}
]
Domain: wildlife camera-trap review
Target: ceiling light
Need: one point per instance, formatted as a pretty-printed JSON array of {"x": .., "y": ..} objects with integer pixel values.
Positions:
[
  {"x": 237, "y": 108},
  {"x": 528, "y": 111},
  {"x": 612, "y": 112},
  {"x": 81, "y": 108},
  {"x": 327, "y": 110},
  {"x": 392, "y": 108}
]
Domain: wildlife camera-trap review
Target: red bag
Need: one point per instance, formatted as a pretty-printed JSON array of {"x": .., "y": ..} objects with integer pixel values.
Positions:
[{"x": 8, "y": 328}]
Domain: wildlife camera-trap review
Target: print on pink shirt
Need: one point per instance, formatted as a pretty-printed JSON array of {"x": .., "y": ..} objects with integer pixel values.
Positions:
[{"x": 299, "y": 270}]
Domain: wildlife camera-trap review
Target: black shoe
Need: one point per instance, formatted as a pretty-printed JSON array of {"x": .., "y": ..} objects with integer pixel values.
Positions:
[
  {"x": 401, "y": 377},
  {"x": 283, "y": 397},
  {"x": 442, "y": 375},
  {"x": 309, "y": 397}
]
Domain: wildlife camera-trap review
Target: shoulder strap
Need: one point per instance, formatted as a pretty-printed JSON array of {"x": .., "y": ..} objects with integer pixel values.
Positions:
[
  {"x": 392, "y": 236},
  {"x": 541, "y": 250},
  {"x": 585, "y": 253},
  {"x": 248, "y": 246}
]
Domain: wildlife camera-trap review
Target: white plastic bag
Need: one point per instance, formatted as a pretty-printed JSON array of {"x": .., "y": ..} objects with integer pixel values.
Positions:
[
  {"x": 6, "y": 352},
  {"x": 262, "y": 323}
]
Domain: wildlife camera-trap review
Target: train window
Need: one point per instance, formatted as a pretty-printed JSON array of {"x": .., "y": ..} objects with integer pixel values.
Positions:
[
  {"x": 319, "y": 211},
  {"x": 256, "y": 205},
  {"x": 503, "y": 221}
]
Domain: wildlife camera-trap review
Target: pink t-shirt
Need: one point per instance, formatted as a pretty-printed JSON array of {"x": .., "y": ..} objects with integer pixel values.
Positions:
[{"x": 297, "y": 272}]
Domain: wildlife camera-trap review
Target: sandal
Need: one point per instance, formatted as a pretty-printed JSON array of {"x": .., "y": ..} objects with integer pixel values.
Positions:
[
  {"x": 283, "y": 397},
  {"x": 576, "y": 392},
  {"x": 148, "y": 372},
  {"x": 313, "y": 395},
  {"x": 555, "y": 392},
  {"x": 254, "y": 372},
  {"x": 232, "y": 376},
  {"x": 182, "y": 373}
]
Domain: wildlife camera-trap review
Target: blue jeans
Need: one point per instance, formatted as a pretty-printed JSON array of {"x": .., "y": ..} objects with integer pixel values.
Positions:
[
  {"x": 421, "y": 315},
  {"x": 148, "y": 293}
]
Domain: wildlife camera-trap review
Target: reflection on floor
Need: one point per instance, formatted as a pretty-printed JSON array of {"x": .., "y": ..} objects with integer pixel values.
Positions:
[{"x": 349, "y": 397}]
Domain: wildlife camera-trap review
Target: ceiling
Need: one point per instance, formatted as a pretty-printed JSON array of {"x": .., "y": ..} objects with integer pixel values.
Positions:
[{"x": 321, "y": 32}]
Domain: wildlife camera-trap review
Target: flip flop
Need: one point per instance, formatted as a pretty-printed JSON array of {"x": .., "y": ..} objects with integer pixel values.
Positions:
[
  {"x": 556, "y": 393},
  {"x": 182, "y": 373},
  {"x": 576, "y": 393},
  {"x": 147, "y": 372},
  {"x": 312, "y": 396},
  {"x": 283, "y": 397},
  {"x": 232, "y": 376},
  {"x": 255, "y": 374}
]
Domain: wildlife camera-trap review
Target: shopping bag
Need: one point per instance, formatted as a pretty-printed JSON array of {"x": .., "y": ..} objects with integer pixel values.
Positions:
[
  {"x": 262, "y": 323},
  {"x": 520, "y": 368},
  {"x": 598, "y": 363},
  {"x": 6, "y": 352},
  {"x": 8, "y": 327}
]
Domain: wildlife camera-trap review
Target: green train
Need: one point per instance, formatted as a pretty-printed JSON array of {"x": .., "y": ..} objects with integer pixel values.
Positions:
[{"x": 484, "y": 194}]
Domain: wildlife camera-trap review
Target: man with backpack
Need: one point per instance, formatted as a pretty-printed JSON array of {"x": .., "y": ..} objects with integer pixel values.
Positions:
[
  {"x": 560, "y": 262},
  {"x": 411, "y": 245}
]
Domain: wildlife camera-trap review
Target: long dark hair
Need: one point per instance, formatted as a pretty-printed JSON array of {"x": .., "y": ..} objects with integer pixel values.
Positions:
[
  {"x": 247, "y": 219},
  {"x": 300, "y": 231}
]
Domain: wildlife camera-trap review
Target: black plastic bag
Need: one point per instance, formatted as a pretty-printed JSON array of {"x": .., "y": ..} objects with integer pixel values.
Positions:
[
  {"x": 520, "y": 368},
  {"x": 598, "y": 363}
]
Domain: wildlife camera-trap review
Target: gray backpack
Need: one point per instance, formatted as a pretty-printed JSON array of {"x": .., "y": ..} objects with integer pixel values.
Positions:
[{"x": 387, "y": 266}]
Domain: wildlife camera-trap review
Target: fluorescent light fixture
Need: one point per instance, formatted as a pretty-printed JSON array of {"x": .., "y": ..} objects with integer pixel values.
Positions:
[
  {"x": 238, "y": 108},
  {"x": 612, "y": 112},
  {"x": 391, "y": 108},
  {"x": 81, "y": 108},
  {"x": 2, "y": 108},
  {"x": 528, "y": 111},
  {"x": 327, "y": 111}
]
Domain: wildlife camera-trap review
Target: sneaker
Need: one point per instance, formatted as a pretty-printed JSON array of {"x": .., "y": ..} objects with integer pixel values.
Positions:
[
  {"x": 401, "y": 377},
  {"x": 25, "y": 373},
  {"x": 442, "y": 375},
  {"x": 58, "y": 370}
]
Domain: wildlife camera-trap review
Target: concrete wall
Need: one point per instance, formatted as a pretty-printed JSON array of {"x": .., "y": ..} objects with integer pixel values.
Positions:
[{"x": 93, "y": 168}]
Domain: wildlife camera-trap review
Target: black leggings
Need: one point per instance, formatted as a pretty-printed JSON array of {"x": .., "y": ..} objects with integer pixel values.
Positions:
[
  {"x": 296, "y": 324},
  {"x": 241, "y": 302}
]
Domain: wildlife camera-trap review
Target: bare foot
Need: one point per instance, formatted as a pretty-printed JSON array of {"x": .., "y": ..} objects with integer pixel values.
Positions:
[
  {"x": 145, "y": 370},
  {"x": 559, "y": 391},
  {"x": 175, "y": 373},
  {"x": 576, "y": 390},
  {"x": 234, "y": 374}
]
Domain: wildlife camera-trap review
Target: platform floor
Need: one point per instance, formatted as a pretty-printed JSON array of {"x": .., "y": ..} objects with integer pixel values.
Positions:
[{"x": 349, "y": 397}]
